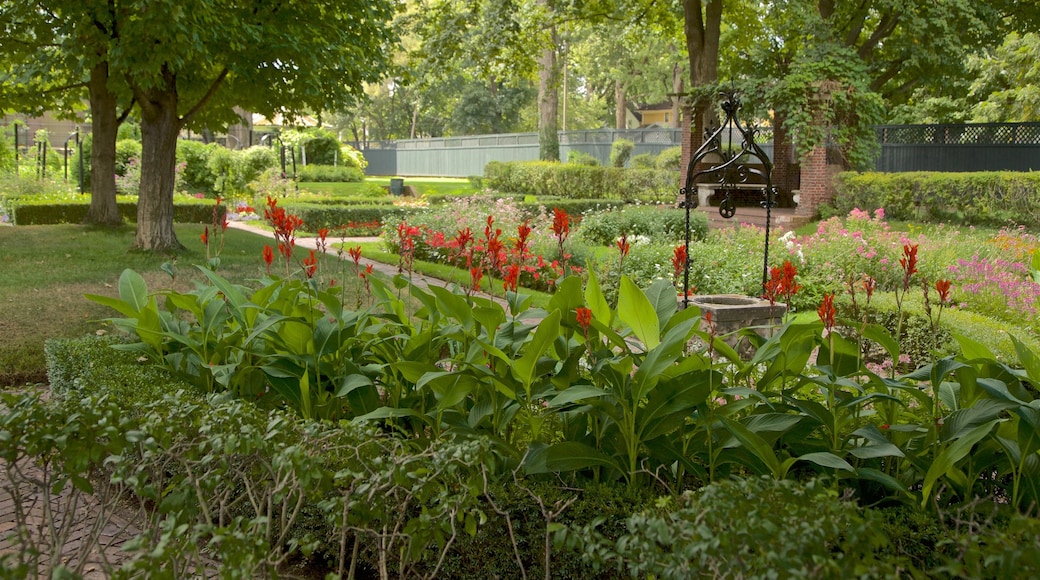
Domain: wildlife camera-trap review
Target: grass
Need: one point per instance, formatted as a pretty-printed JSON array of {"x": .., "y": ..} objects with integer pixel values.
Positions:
[{"x": 48, "y": 269}]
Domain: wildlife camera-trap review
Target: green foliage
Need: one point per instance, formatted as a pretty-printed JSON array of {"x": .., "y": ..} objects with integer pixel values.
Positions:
[
  {"x": 543, "y": 179},
  {"x": 72, "y": 208},
  {"x": 235, "y": 169},
  {"x": 644, "y": 161},
  {"x": 330, "y": 173},
  {"x": 670, "y": 159},
  {"x": 316, "y": 216},
  {"x": 581, "y": 158},
  {"x": 126, "y": 150},
  {"x": 665, "y": 225},
  {"x": 749, "y": 527},
  {"x": 197, "y": 174},
  {"x": 620, "y": 152},
  {"x": 993, "y": 198}
]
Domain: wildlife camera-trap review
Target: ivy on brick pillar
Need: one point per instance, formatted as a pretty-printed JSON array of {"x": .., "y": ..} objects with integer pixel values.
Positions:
[{"x": 816, "y": 187}]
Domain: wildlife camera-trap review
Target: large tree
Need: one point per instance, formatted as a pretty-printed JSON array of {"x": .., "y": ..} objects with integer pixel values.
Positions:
[{"x": 47, "y": 70}]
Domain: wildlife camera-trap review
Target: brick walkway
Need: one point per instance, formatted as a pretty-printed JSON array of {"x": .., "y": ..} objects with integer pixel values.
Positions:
[{"x": 72, "y": 529}]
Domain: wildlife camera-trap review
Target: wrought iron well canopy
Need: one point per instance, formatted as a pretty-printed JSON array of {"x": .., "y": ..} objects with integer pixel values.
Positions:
[{"x": 729, "y": 161}]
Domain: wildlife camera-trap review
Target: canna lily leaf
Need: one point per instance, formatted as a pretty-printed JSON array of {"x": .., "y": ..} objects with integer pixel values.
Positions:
[
  {"x": 636, "y": 311},
  {"x": 133, "y": 289},
  {"x": 596, "y": 302},
  {"x": 572, "y": 455},
  {"x": 827, "y": 459},
  {"x": 972, "y": 350},
  {"x": 754, "y": 444},
  {"x": 945, "y": 463}
]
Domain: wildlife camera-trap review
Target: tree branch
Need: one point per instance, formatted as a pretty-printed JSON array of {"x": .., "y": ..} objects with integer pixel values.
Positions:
[
  {"x": 206, "y": 98},
  {"x": 885, "y": 28}
]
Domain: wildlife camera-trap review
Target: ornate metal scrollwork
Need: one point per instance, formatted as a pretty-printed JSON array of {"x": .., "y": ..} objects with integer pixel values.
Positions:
[{"x": 727, "y": 168}]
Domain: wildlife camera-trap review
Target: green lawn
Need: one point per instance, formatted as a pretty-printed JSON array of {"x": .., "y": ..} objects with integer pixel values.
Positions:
[{"x": 48, "y": 269}]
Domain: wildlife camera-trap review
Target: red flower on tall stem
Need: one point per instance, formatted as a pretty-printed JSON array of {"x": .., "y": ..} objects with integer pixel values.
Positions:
[
  {"x": 584, "y": 316},
  {"x": 511, "y": 278},
  {"x": 310, "y": 265},
  {"x": 475, "y": 276},
  {"x": 323, "y": 234},
  {"x": 943, "y": 288},
  {"x": 205, "y": 236},
  {"x": 623, "y": 245},
  {"x": 268, "y": 257},
  {"x": 355, "y": 254},
  {"x": 826, "y": 311},
  {"x": 909, "y": 263},
  {"x": 561, "y": 226},
  {"x": 679, "y": 260}
]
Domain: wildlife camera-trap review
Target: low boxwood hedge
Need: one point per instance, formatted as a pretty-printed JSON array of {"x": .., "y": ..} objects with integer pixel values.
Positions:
[
  {"x": 992, "y": 198},
  {"x": 25, "y": 212}
]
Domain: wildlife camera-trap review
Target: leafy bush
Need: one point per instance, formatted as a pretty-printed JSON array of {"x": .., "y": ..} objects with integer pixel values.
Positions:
[
  {"x": 198, "y": 176},
  {"x": 353, "y": 217},
  {"x": 581, "y": 158},
  {"x": 658, "y": 225},
  {"x": 644, "y": 161},
  {"x": 541, "y": 179},
  {"x": 620, "y": 151},
  {"x": 749, "y": 527},
  {"x": 994, "y": 198},
  {"x": 670, "y": 159},
  {"x": 234, "y": 169},
  {"x": 330, "y": 173},
  {"x": 126, "y": 150}
]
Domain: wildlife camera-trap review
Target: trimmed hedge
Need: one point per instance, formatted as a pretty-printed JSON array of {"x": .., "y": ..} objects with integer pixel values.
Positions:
[
  {"x": 30, "y": 214},
  {"x": 568, "y": 180},
  {"x": 355, "y": 217},
  {"x": 991, "y": 198},
  {"x": 330, "y": 174}
]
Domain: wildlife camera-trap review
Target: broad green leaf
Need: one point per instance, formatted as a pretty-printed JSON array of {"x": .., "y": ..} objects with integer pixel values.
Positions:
[
  {"x": 352, "y": 382},
  {"x": 877, "y": 450},
  {"x": 576, "y": 393},
  {"x": 596, "y": 301},
  {"x": 548, "y": 330},
  {"x": 827, "y": 459},
  {"x": 386, "y": 413},
  {"x": 880, "y": 335},
  {"x": 572, "y": 455},
  {"x": 661, "y": 357},
  {"x": 884, "y": 479},
  {"x": 117, "y": 304},
  {"x": 972, "y": 350},
  {"x": 754, "y": 444},
  {"x": 661, "y": 294},
  {"x": 1027, "y": 358},
  {"x": 945, "y": 462},
  {"x": 133, "y": 289},
  {"x": 636, "y": 311}
]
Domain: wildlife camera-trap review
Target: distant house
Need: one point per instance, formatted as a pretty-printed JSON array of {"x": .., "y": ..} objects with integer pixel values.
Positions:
[{"x": 658, "y": 115}]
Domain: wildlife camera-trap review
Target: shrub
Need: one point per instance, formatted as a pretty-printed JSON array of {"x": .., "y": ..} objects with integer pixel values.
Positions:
[
  {"x": 321, "y": 147},
  {"x": 330, "y": 173},
  {"x": 658, "y": 225},
  {"x": 994, "y": 198},
  {"x": 620, "y": 151},
  {"x": 549, "y": 179},
  {"x": 72, "y": 209},
  {"x": 670, "y": 159},
  {"x": 233, "y": 169},
  {"x": 198, "y": 176},
  {"x": 644, "y": 161},
  {"x": 126, "y": 150},
  {"x": 751, "y": 527},
  {"x": 581, "y": 158},
  {"x": 358, "y": 218}
]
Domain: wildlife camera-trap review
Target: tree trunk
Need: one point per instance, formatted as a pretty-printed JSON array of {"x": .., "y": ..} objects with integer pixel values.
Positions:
[
  {"x": 620, "y": 107},
  {"x": 103, "y": 210},
  {"x": 677, "y": 89},
  {"x": 548, "y": 98},
  {"x": 160, "y": 126},
  {"x": 703, "y": 21}
]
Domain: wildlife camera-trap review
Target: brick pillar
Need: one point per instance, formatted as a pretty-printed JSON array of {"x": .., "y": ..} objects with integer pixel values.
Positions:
[{"x": 816, "y": 188}]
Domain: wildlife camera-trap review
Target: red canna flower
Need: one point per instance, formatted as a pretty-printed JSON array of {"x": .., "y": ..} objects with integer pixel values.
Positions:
[
  {"x": 205, "y": 236},
  {"x": 909, "y": 263},
  {"x": 679, "y": 260},
  {"x": 310, "y": 265},
  {"x": 523, "y": 235},
  {"x": 561, "y": 226},
  {"x": 355, "y": 254},
  {"x": 268, "y": 257},
  {"x": 476, "y": 275},
  {"x": 584, "y": 316},
  {"x": 943, "y": 288},
  {"x": 512, "y": 276},
  {"x": 827, "y": 311},
  {"x": 323, "y": 234},
  {"x": 623, "y": 245},
  {"x": 869, "y": 285}
]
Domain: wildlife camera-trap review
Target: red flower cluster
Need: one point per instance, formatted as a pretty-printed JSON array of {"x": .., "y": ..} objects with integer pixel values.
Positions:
[
  {"x": 943, "y": 288},
  {"x": 285, "y": 225},
  {"x": 268, "y": 257},
  {"x": 826, "y": 311},
  {"x": 679, "y": 260},
  {"x": 310, "y": 265},
  {"x": 909, "y": 263},
  {"x": 584, "y": 316},
  {"x": 781, "y": 283}
]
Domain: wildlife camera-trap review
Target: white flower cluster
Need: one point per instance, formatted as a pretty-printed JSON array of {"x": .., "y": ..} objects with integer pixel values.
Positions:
[{"x": 794, "y": 248}]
